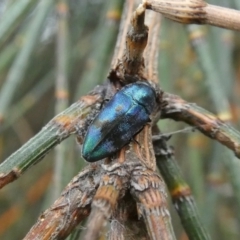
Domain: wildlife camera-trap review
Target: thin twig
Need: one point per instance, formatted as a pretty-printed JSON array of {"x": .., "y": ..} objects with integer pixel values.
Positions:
[
  {"x": 197, "y": 11},
  {"x": 58, "y": 129},
  {"x": 179, "y": 110}
]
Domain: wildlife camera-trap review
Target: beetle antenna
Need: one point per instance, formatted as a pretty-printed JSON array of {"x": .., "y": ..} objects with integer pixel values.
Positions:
[{"x": 167, "y": 136}]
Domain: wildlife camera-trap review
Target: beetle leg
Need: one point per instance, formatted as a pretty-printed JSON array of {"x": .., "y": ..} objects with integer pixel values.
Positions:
[
  {"x": 105, "y": 101},
  {"x": 136, "y": 141}
]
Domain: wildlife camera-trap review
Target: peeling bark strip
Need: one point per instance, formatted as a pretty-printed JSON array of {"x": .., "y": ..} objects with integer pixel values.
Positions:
[
  {"x": 104, "y": 202},
  {"x": 150, "y": 194},
  {"x": 196, "y": 11},
  {"x": 151, "y": 53},
  {"x": 145, "y": 151}
]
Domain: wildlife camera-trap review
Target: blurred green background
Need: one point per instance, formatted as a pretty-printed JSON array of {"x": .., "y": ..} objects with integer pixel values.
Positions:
[{"x": 53, "y": 52}]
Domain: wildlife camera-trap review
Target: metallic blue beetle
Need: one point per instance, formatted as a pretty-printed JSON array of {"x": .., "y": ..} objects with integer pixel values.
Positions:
[{"x": 122, "y": 117}]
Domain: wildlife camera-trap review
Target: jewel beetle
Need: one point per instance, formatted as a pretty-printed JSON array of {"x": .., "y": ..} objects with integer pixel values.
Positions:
[{"x": 122, "y": 117}]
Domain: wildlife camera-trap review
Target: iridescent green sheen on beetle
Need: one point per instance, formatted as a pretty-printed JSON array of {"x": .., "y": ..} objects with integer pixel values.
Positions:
[{"x": 122, "y": 117}]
